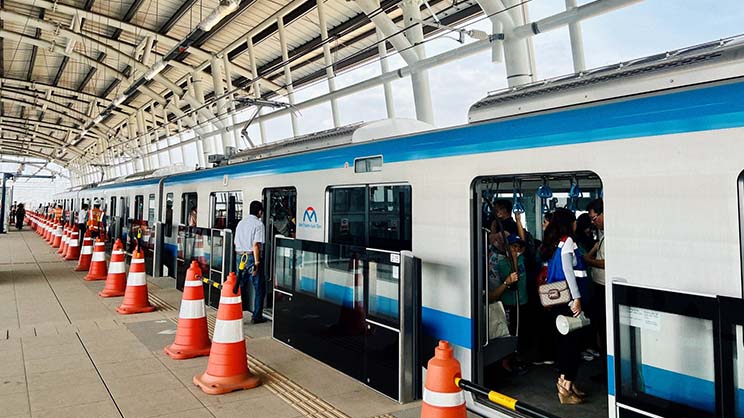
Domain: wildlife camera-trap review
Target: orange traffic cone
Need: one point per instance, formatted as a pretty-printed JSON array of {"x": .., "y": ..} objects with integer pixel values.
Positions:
[
  {"x": 50, "y": 232},
  {"x": 227, "y": 369},
  {"x": 442, "y": 398},
  {"x": 73, "y": 245},
  {"x": 65, "y": 240},
  {"x": 86, "y": 253},
  {"x": 192, "y": 335},
  {"x": 135, "y": 295},
  {"x": 98, "y": 270},
  {"x": 58, "y": 232},
  {"x": 116, "y": 281}
]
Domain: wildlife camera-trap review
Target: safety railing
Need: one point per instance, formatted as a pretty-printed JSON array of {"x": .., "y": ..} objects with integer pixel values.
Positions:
[
  {"x": 356, "y": 309},
  {"x": 502, "y": 400}
]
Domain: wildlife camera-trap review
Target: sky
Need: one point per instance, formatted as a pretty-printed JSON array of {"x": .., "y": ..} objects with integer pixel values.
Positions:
[{"x": 638, "y": 30}]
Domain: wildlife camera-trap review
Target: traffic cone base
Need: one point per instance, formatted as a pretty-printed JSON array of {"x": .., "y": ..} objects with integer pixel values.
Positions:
[
  {"x": 135, "y": 293},
  {"x": 192, "y": 335},
  {"x": 217, "y": 385}
]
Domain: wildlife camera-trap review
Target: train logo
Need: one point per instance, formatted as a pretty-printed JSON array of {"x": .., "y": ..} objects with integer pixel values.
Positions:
[
  {"x": 310, "y": 219},
  {"x": 310, "y": 215}
]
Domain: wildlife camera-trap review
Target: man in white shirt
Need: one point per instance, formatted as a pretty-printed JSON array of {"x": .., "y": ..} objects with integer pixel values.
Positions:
[
  {"x": 82, "y": 220},
  {"x": 249, "y": 241}
]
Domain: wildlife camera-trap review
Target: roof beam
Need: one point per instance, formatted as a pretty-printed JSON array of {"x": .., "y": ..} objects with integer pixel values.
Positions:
[
  {"x": 35, "y": 50},
  {"x": 168, "y": 25},
  {"x": 128, "y": 16},
  {"x": 59, "y": 91},
  {"x": 91, "y": 72}
]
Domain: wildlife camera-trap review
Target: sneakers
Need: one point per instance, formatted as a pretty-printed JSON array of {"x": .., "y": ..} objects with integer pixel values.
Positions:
[
  {"x": 593, "y": 352},
  {"x": 587, "y": 356},
  {"x": 258, "y": 320},
  {"x": 543, "y": 362}
]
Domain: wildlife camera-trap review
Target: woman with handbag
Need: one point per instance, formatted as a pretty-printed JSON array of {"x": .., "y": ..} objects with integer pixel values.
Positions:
[{"x": 562, "y": 295}]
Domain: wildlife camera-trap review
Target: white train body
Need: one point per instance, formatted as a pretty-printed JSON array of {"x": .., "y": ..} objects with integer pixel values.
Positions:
[{"x": 667, "y": 144}]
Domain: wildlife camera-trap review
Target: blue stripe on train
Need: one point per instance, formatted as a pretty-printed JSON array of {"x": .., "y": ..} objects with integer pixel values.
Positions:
[
  {"x": 344, "y": 296},
  {"x": 437, "y": 324},
  {"x": 676, "y": 387},
  {"x": 715, "y": 107}
]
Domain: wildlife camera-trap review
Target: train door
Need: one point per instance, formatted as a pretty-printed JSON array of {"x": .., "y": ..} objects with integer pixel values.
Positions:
[
  {"x": 280, "y": 214},
  {"x": 515, "y": 340}
]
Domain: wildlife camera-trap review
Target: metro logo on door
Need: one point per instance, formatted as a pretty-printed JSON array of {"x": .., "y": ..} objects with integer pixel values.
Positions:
[{"x": 309, "y": 219}]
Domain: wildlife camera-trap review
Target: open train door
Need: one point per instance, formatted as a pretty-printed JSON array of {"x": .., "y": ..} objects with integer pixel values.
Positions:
[{"x": 280, "y": 214}]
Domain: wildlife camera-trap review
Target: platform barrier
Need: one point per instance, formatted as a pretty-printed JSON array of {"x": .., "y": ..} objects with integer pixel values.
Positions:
[
  {"x": 349, "y": 306},
  {"x": 502, "y": 400}
]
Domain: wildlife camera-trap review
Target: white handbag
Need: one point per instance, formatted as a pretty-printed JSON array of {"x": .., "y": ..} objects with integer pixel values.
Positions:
[
  {"x": 555, "y": 293},
  {"x": 497, "y": 325}
]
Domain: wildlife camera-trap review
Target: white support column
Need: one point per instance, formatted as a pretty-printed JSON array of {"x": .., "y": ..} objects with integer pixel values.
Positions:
[
  {"x": 519, "y": 69},
  {"x": 231, "y": 100},
  {"x": 143, "y": 139},
  {"x": 256, "y": 87},
  {"x": 420, "y": 79},
  {"x": 384, "y": 68},
  {"x": 328, "y": 59},
  {"x": 577, "y": 40},
  {"x": 287, "y": 73},
  {"x": 221, "y": 107},
  {"x": 406, "y": 49}
]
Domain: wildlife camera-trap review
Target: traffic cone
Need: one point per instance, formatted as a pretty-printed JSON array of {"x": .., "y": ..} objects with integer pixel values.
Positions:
[
  {"x": 192, "y": 335},
  {"x": 73, "y": 245},
  {"x": 98, "y": 270},
  {"x": 49, "y": 232},
  {"x": 442, "y": 398},
  {"x": 57, "y": 241},
  {"x": 135, "y": 295},
  {"x": 86, "y": 253},
  {"x": 227, "y": 369},
  {"x": 116, "y": 280},
  {"x": 65, "y": 240}
]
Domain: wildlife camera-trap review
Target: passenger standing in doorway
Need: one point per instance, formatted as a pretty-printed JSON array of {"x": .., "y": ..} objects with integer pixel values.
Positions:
[
  {"x": 596, "y": 260},
  {"x": 192, "y": 216},
  {"x": 564, "y": 264},
  {"x": 249, "y": 241},
  {"x": 503, "y": 218},
  {"x": 82, "y": 220}
]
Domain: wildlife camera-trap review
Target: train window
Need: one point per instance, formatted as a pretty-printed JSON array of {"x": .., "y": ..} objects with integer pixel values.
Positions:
[
  {"x": 169, "y": 214},
  {"x": 375, "y": 216},
  {"x": 368, "y": 164},
  {"x": 226, "y": 209},
  {"x": 113, "y": 206},
  {"x": 124, "y": 207},
  {"x": 139, "y": 207},
  {"x": 151, "y": 209},
  {"x": 390, "y": 217},
  {"x": 188, "y": 209}
]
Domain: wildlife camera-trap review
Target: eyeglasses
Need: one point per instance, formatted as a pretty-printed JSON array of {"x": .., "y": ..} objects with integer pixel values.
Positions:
[{"x": 593, "y": 218}]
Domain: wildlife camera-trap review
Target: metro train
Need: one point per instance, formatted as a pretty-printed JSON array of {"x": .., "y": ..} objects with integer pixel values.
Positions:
[{"x": 661, "y": 139}]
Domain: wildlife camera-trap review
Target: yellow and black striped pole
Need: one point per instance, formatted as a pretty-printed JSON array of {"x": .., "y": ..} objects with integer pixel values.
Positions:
[{"x": 503, "y": 400}]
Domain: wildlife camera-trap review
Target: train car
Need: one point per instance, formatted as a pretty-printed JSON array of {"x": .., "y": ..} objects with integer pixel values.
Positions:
[{"x": 660, "y": 139}]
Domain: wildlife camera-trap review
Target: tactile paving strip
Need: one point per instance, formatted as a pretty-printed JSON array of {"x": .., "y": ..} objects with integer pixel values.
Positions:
[
  {"x": 295, "y": 395},
  {"x": 161, "y": 304}
]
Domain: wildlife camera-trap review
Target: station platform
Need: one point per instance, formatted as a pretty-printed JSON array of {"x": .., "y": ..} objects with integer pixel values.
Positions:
[{"x": 65, "y": 352}]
